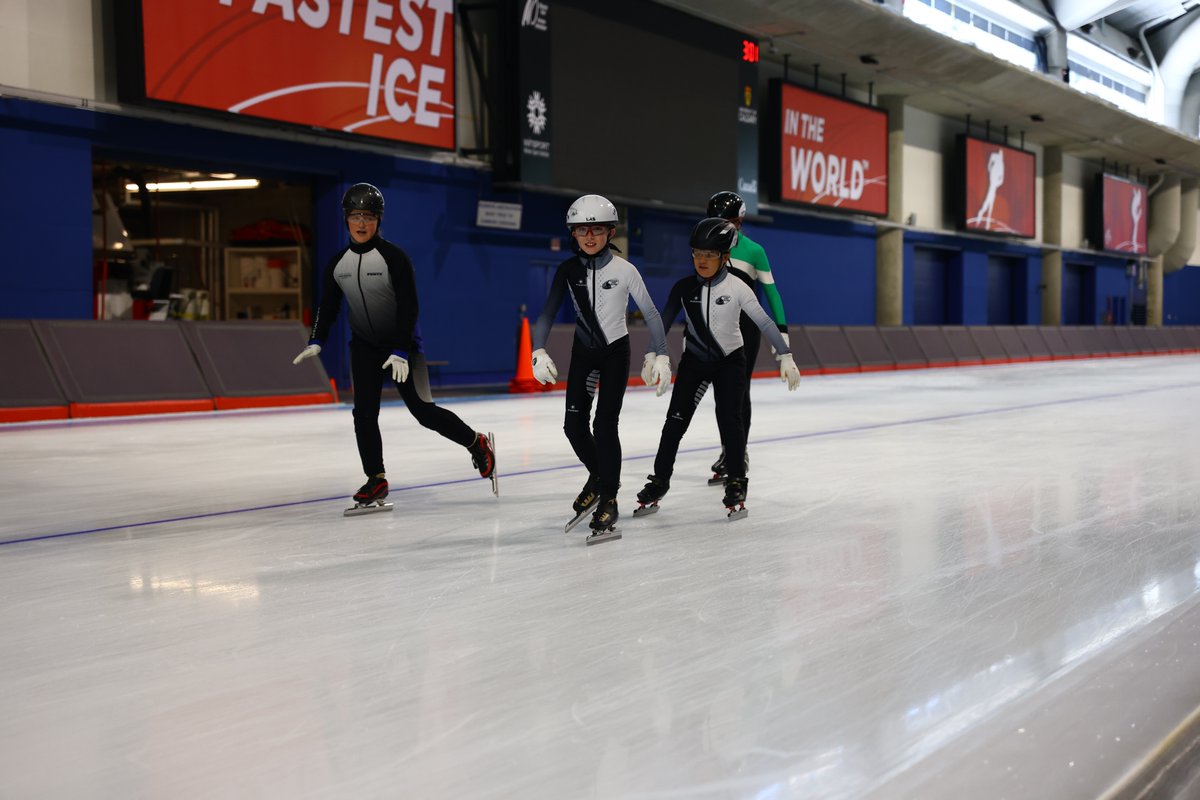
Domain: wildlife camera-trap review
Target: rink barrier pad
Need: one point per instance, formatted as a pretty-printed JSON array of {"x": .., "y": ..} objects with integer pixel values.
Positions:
[{"x": 61, "y": 369}]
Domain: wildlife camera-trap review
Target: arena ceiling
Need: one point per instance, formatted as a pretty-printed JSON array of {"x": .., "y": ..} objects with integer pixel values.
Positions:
[{"x": 871, "y": 43}]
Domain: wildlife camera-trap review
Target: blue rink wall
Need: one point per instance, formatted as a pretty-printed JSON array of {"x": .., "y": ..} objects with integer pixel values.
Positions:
[{"x": 472, "y": 281}]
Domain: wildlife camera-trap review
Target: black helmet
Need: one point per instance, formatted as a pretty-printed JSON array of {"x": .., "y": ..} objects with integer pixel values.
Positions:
[
  {"x": 727, "y": 205},
  {"x": 363, "y": 197},
  {"x": 714, "y": 233}
]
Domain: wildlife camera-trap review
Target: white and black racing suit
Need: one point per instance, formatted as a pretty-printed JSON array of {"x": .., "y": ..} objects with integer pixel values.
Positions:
[
  {"x": 600, "y": 286},
  {"x": 713, "y": 352},
  {"x": 377, "y": 282}
]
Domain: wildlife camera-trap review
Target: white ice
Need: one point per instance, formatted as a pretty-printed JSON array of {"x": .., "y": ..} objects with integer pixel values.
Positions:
[{"x": 930, "y": 558}]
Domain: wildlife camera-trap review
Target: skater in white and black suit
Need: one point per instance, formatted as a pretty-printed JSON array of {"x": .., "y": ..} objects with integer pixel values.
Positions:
[
  {"x": 375, "y": 278},
  {"x": 600, "y": 284},
  {"x": 713, "y": 302}
]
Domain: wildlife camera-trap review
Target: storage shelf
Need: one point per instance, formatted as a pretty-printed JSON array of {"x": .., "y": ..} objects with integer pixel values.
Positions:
[{"x": 253, "y": 265}]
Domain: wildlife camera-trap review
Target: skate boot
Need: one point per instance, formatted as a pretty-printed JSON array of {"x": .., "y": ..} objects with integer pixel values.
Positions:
[
  {"x": 369, "y": 498},
  {"x": 589, "y": 495},
  {"x": 651, "y": 493},
  {"x": 483, "y": 457},
  {"x": 735, "y": 497},
  {"x": 604, "y": 522},
  {"x": 718, "y": 470}
]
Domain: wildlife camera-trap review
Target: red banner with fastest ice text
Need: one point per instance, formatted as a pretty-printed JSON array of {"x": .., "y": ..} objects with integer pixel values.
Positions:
[{"x": 369, "y": 67}]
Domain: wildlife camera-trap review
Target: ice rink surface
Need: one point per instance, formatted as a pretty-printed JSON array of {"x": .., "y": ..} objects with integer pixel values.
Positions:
[{"x": 977, "y": 582}]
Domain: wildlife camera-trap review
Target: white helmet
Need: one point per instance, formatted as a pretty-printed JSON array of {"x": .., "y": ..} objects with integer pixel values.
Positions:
[{"x": 591, "y": 208}]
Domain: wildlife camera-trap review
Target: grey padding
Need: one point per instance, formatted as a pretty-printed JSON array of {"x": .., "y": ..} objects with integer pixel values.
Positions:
[
  {"x": 987, "y": 341},
  {"x": 1106, "y": 335},
  {"x": 253, "y": 358},
  {"x": 1055, "y": 341},
  {"x": 121, "y": 361},
  {"x": 868, "y": 346},
  {"x": 802, "y": 350},
  {"x": 1078, "y": 340},
  {"x": 961, "y": 344},
  {"x": 1031, "y": 337},
  {"x": 902, "y": 344},
  {"x": 1159, "y": 340},
  {"x": 1178, "y": 338},
  {"x": 1141, "y": 339},
  {"x": 830, "y": 347},
  {"x": 934, "y": 345},
  {"x": 1125, "y": 343},
  {"x": 28, "y": 380},
  {"x": 1010, "y": 339}
]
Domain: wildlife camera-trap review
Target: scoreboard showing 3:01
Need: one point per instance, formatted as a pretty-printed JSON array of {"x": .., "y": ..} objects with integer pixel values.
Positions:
[{"x": 384, "y": 70}]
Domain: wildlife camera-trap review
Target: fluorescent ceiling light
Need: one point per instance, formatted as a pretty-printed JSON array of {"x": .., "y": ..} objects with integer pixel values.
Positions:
[
  {"x": 197, "y": 186},
  {"x": 1005, "y": 11},
  {"x": 1103, "y": 59}
]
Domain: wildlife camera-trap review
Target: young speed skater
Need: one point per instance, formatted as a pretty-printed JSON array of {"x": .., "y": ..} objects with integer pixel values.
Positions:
[
  {"x": 713, "y": 302},
  {"x": 600, "y": 284},
  {"x": 747, "y": 261},
  {"x": 376, "y": 279}
]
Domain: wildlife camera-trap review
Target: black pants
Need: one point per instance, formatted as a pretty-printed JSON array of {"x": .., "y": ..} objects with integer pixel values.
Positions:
[
  {"x": 751, "y": 342},
  {"x": 366, "y": 369},
  {"x": 600, "y": 451},
  {"x": 729, "y": 382}
]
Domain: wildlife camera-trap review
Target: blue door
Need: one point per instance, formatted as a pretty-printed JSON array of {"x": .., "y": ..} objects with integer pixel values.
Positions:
[
  {"x": 1076, "y": 306},
  {"x": 1002, "y": 291},
  {"x": 930, "y": 268}
]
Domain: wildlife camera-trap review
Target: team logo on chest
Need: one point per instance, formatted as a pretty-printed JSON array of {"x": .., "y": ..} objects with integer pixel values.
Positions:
[
  {"x": 612, "y": 283},
  {"x": 723, "y": 299}
]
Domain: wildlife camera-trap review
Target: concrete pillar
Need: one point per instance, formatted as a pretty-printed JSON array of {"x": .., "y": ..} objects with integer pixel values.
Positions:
[
  {"x": 889, "y": 241},
  {"x": 1154, "y": 293},
  {"x": 1165, "y": 218},
  {"x": 1052, "y": 257}
]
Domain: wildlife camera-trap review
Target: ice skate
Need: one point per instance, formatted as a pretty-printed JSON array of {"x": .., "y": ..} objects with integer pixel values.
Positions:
[
  {"x": 735, "y": 498},
  {"x": 604, "y": 522},
  {"x": 369, "y": 498},
  {"x": 483, "y": 457},
  {"x": 584, "y": 503},
  {"x": 718, "y": 468},
  {"x": 651, "y": 493}
]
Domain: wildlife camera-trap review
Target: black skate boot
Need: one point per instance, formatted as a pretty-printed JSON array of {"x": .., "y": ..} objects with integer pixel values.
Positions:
[
  {"x": 604, "y": 522},
  {"x": 483, "y": 457},
  {"x": 589, "y": 495},
  {"x": 651, "y": 493},
  {"x": 369, "y": 498},
  {"x": 735, "y": 497},
  {"x": 718, "y": 470}
]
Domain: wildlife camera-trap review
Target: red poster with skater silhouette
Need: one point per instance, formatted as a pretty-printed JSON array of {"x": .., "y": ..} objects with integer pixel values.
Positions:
[
  {"x": 372, "y": 69},
  {"x": 1124, "y": 215},
  {"x": 1000, "y": 188}
]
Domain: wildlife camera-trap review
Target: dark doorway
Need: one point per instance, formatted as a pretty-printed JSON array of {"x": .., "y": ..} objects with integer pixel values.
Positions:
[
  {"x": 1003, "y": 308},
  {"x": 931, "y": 267},
  {"x": 1077, "y": 289}
]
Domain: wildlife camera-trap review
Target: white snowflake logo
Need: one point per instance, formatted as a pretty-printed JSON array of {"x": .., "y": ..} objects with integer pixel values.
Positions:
[{"x": 536, "y": 106}]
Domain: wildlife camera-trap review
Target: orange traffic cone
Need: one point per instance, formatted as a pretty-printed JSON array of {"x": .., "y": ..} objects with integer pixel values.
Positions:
[{"x": 524, "y": 382}]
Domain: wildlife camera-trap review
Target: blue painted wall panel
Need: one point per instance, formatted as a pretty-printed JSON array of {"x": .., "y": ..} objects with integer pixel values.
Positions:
[{"x": 45, "y": 224}]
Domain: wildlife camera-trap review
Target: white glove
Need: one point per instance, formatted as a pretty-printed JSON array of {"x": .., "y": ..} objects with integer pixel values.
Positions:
[
  {"x": 648, "y": 369},
  {"x": 662, "y": 374},
  {"x": 308, "y": 352},
  {"x": 786, "y": 341},
  {"x": 544, "y": 370},
  {"x": 789, "y": 373},
  {"x": 398, "y": 366}
]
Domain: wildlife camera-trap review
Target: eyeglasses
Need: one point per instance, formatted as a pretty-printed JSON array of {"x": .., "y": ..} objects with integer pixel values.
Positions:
[
  {"x": 705, "y": 255},
  {"x": 589, "y": 230},
  {"x": 359, "y": 216}
]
